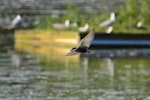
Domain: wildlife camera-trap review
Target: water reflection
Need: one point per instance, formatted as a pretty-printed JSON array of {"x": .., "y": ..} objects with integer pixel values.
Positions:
[
  {"x": 28, "y": 75},
  {"x": 85, "y": 64}
]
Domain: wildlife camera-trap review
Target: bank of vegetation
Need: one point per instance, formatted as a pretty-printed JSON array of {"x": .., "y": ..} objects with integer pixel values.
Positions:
[{"x": 127, "y": 17}]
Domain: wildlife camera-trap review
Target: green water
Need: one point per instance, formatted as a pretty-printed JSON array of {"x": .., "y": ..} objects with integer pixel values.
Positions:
[
  {"x": 33, "y": 76},
  {"x": 87, "y": 79},
  {"x": 101, "y": 79}
]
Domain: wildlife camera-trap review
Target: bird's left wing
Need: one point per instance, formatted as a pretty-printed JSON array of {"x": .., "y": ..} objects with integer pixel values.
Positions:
[{"x": 86, "y": 41}]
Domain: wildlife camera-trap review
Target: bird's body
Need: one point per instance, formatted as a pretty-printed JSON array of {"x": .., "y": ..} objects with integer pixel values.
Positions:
[
  {"x": 82, "y": 49},
  {"x": 83, "y": 45},
  {"x": 140, "y": 26},
  {"x": 109, "y": 30},
  {"x": 110, "y": 21}
]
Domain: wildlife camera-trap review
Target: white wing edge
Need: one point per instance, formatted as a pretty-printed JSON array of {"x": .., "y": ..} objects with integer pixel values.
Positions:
[{"x": 71, "y": 53}]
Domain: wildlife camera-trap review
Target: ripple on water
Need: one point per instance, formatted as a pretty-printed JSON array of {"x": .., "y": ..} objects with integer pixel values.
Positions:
[{"x": 87, "y": 81}]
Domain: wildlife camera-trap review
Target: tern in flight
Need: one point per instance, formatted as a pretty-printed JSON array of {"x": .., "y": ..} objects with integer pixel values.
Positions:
[{"x": 83, "y": 45}]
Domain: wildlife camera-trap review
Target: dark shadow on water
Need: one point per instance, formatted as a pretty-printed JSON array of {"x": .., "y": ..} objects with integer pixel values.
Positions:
[{"x": 114, "y": 53}]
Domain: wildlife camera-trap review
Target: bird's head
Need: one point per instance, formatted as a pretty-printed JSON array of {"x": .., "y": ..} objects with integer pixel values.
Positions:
[{"x": 73, "y": 49}]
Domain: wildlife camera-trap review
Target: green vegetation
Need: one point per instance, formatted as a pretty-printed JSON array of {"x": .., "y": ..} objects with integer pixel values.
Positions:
[{"x": 128, "y": 16}]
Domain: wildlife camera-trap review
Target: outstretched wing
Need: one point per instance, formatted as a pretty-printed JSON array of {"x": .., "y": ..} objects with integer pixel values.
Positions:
[
  {"x": 72, "y": 53},
  {"x": 86, "y": 41}
]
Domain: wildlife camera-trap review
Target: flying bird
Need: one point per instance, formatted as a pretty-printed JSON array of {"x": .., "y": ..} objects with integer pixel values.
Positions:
[
  {"x": 110, "y": 21},
  {"x": 84, "y": 45},
  {"x": 17, "y": 21}
]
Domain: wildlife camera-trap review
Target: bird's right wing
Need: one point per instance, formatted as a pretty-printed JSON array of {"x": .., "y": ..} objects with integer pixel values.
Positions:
[{"x": 86, "y": 41}]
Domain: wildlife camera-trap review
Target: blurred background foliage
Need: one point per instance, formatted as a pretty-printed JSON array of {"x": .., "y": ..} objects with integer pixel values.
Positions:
[{"x": 127, "y": 16}]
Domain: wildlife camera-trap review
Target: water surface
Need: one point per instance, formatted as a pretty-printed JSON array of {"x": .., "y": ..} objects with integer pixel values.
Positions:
[{"x": 31, "y": 75}]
